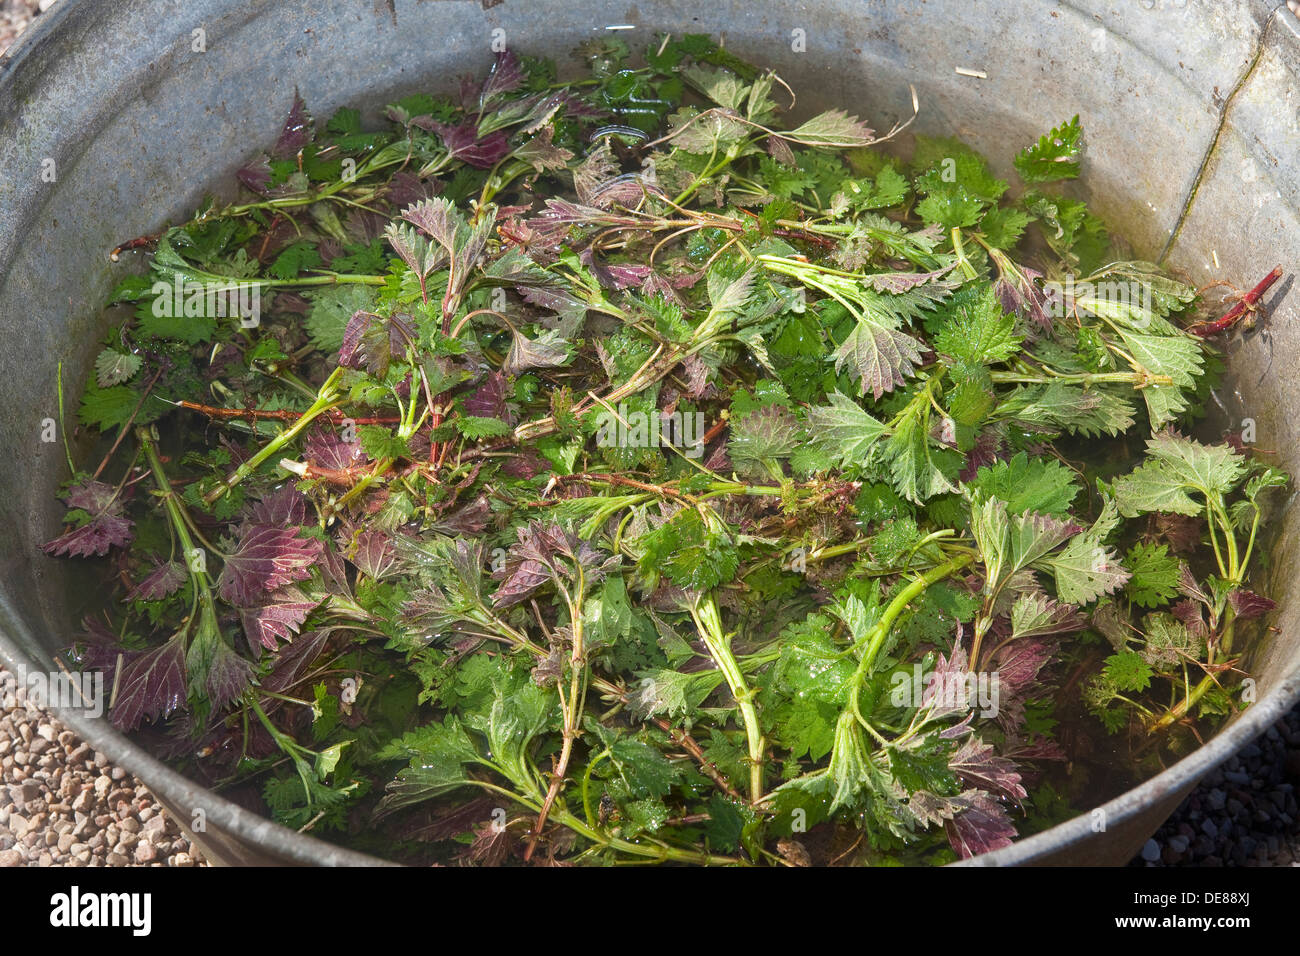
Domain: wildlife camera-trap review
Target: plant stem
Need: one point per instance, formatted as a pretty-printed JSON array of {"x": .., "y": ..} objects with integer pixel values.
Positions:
[
  {"x": 326, "y": 399},
  {"x": 708, "y": 621}
]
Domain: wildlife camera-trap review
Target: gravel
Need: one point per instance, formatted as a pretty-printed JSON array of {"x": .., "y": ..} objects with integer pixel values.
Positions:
[
  {"x": 1243, "y": 814},
  {"x": 16, "y": 15},
  {"x": 64, "y": 804}
]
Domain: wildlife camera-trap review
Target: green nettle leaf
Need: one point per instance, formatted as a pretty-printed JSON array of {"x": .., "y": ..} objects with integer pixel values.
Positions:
[
  {"x": 114, "y": 368},
  {"x": 764, "y": 435},
  {"x": 1086, "y": 568},
  {"x": 833, "y": 128},
  {"x": 1128, "y": 671},
  {"x": 919, "y": 469},
  {"x": 1177, "y": 356},
  {"x": 331, "y": 308},
  {"x": 1155, "y": 575},
  {"x": 979, "y": 333},
  {"x": 1055, "y": 155},
  {"x": 843, "y": 431},
  {"x": 1029, "y": 484},
  {"x": 1175, "y": 468}
]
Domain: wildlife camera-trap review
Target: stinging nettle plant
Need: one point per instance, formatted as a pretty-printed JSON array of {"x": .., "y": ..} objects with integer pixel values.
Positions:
[{"x": 398, "y": 559}]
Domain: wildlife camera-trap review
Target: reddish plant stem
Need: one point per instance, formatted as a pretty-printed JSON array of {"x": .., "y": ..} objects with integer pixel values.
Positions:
[
  {"x": 1247, "y": 303},
  {"x": 285, "y": 414}
]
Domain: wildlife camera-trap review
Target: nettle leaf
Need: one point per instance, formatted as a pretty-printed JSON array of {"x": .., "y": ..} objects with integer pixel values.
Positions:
[
  {"x": 1055, "y": 156},
  {"x": 842, "y": 431},
  {"x": 150, "y": 685},
  {"x": 980, "y": 825},
  {"x": 690, "y": 552},
  {"x": 164, "y": 580},
  {"x": 674, "y": 693},
  {"x": 919, "y": 470},
  {"x": 545, "y": 553},
  {"x": 114, "y": 368},
  {"x": 295, "y": 259},
  {"x": 1155, "y": 575},
  {"x": 1127, "y": 671},
  {"x": 98, "y": 508},
  {"x": 331, "y": 308},
  {"x": 1035, "y": 614},
  {"x": 266, "y": 558},
  {"x": 548, "y": 350},
  {"x": 1176, "y": 466},
  {"x": 214, "y": 672},
  {"x": 279, "y": 619},
  {"x": 721, "y": 86},
  {"x": 1086, "y": 569},
  {"x": 1169, "y": 641},
  {"x": 878, "y": 356},
  {"x": 764, "y": 435},
  {"x": 979, "y": 332},
  {"x": 1040, "y": 485},
  {"x": 1178, "y": 356},
  {"x": 833, "y": 129}
]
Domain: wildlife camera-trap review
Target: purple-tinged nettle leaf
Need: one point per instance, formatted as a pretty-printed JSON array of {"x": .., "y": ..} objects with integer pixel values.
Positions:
[
  {"x": 697, "y": 373},
  {"x": 165, "y": 578},
  {"x": 294, "y": 660},
  {"x": 899, "y": 282},
  {"x": 265, "y": 559},
  {"x": 464, "y": 143},
  {"x": 213, "y": 669},
  {"x": 976, "y": 764},
  {"x": 471, "y": 519},
  {"x": 297, "y": 131},
  {"x": 256, "y": 175},
  {"x": 506, "y": 76},
  {"x": 420, "y": 256},
  {"x": 980, "y": 827},
  {"x": 372, "y": 342},
  {"x": 880, "y": 358},
  {"x": 1037, "y": 614},
  {"x": 489, "y": 399},
  {"x": 103, "y": 525},
  {"x": 1248, "y": 604},
  {"x": 406, "y": 189},
  {"x": 372, "y": 552},
  {"x": 150, "y": 685},
  {"x": 285, "y": 505},
  {"x": 325, "y": 448},
  {"x": 1189, "y": 613},
  {"x": 547, "y": 350},
  {"x": 542, "y": 154},
  {"x": 279, "y": 619},
  {"x": 546, "y": 552},
  {"x": 92, "y": 539}
]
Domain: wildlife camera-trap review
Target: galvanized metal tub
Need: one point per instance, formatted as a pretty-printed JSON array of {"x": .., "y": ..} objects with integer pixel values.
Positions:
[{"x": 115, "y": 118}]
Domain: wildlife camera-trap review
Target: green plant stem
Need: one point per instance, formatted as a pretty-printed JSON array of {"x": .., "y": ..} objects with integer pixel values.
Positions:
[
  {"x": 708, "y": 621},
  {"x": 874, "y": 639}
]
